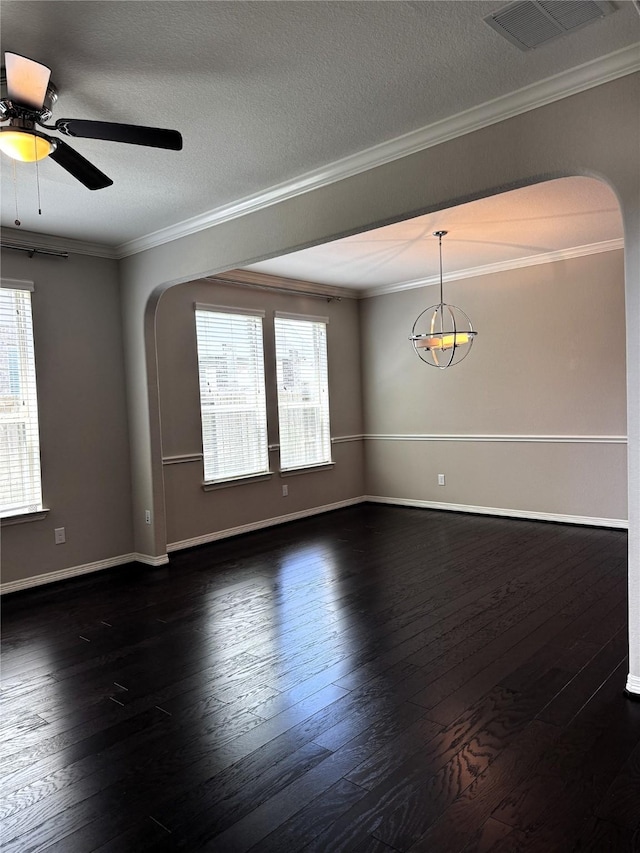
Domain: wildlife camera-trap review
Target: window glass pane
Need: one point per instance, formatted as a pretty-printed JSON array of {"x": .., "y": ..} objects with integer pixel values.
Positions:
[
  {"x": 20, "y": 485},
  {"x": 303, "y": 392},
  {"x": 232, "y": 395}
]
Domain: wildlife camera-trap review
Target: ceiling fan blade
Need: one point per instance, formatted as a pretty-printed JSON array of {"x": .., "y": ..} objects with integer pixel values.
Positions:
[
  {"x": 134, "y": 134},
  {"x": 79, "y": 167},
  {"x": 27, "y": 80}
]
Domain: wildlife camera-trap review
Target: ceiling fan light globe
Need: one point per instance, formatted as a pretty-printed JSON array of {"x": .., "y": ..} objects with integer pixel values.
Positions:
[{"x": 24, "y": 146}]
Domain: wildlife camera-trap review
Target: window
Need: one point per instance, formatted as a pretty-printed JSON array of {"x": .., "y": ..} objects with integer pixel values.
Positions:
[
  {"x": 20, "y": 485},
  {"x": 232, "y": 393},
  {"x": 303, "y": 391}
]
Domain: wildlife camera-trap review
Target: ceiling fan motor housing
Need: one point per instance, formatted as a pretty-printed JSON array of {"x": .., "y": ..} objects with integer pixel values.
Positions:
[{"x": 10, "y": 109}]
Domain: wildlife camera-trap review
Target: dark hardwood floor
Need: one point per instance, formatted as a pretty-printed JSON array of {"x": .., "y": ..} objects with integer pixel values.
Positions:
[{"x": 375, "y": 679}]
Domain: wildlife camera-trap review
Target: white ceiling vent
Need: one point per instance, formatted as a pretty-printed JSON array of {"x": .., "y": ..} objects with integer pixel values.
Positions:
[{"x": 530, "y": 23}]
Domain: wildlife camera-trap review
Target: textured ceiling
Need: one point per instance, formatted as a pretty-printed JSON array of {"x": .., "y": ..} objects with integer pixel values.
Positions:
[{"x": 263, "y": 92}]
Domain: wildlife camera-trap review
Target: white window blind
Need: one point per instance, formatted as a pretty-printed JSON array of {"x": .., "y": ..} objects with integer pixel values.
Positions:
[
  {"x": 303, "y": 392},
  {"x": 232, "y": 394},
  {"x": 20, "y": 485}
]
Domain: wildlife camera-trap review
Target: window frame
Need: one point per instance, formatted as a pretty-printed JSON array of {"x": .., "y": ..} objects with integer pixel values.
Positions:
[
  {"x": 211, "y": 483},
  {"x": 34, "y": 509},
  {"x": 324, "y": 410}
]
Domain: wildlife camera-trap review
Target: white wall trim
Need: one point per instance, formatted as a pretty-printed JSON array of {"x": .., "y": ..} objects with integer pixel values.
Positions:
[
  {"x": 502, "y": 266},
  {"x": 259, "y": 525},
  {"x": 149, "y": 560},
  {"x": 591, "y": 521},
  {"x": 633, "y": 684},
  {"x": 75, "y": 571},
  {"x": 249, "y": 278},
  {"x": 63, "y": 574},
  {"x": 586, "y": 76},
  {"x": 343, "y": 439},
  {"x": 528, "y": 439},
  {"x": 182, "y": 458}
]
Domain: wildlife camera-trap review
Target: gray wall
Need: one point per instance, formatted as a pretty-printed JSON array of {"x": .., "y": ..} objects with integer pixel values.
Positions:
[
  {"x": 83, "y": 419},
  {"x": 195, "y": 514},
  {"x": 549, "y": 361}
]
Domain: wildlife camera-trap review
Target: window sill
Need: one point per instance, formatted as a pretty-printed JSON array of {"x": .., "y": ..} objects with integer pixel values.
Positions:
[
  {"x": 23, "y": 518},
  {"x": 237, "y": 481},
  {"x": 294, "y": 472}
]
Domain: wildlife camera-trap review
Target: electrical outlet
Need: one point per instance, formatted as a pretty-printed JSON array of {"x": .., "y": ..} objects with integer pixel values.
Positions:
[
  {"x": 59, "y": 535},
  {"x": 147, "y": 516},
  {"x": 441, "y": 479},
  {"x": 285, "y": 491}
]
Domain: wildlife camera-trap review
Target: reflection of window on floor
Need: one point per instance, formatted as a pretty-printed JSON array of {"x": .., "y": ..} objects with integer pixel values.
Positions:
[
  {"x": 20, "y": 485},
  {"x": 232, "y": 393},
  {"x": 308, "y": 615}
]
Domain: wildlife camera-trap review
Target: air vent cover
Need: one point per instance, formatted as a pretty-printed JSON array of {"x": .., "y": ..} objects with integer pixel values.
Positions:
[{"x": 530, "y": 23}]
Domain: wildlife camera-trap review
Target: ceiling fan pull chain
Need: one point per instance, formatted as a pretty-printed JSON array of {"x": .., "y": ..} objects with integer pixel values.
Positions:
[
  {"x": 38, "y": 181},
  {"x": 15, "y": 192}
]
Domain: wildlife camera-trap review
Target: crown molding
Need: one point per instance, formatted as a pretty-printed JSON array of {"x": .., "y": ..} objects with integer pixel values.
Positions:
[
  {"x": 250, "y": 278},
  {"x": 502, "y": 266},
  {"x": 32, "y": 240},
  {"x": 578, "y": 79}
]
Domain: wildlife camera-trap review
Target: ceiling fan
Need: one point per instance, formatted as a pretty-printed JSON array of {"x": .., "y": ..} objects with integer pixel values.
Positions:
[{"x": 27, "y": 100}]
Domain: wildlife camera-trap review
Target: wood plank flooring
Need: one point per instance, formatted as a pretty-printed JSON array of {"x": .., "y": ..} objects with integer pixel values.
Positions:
[{"x": 374, "y": 679}]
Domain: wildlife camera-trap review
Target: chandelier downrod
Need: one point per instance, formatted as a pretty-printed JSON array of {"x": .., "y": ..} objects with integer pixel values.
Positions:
[{"x": 440, "y": 235}]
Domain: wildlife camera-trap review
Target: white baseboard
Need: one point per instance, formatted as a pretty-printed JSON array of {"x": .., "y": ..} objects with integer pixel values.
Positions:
[
  {"x": 633, "y": 685},
  {"x": 63, "y": 574},
  {"x": 75, "y": 571},
  {"x": 163, "y": 559},
  {"x": 259, "y": 525},
  {"x": 148, "y": 560},
  {"x": 508, "y": 513}
]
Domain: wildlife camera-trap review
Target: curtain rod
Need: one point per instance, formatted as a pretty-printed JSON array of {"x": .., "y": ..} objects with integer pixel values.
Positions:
[
  {"x": 31, "y": 251},
  {"x": 328, "y": 297}
]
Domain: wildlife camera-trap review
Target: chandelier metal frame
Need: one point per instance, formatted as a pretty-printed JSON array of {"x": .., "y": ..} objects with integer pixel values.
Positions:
[{"x": 449, "y": 335}]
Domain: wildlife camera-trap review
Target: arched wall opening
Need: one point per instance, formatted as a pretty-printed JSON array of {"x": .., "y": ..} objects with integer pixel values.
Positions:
[{"x": 571, "y": 137}]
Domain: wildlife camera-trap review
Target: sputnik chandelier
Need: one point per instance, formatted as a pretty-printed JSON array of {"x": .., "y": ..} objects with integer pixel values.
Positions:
[{"x": 442, "y": 335}]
